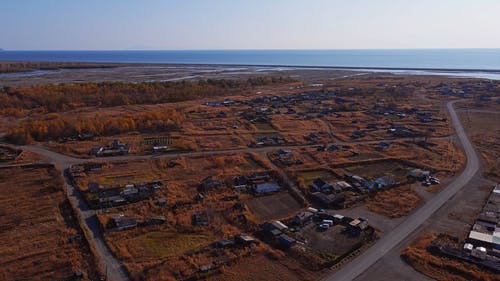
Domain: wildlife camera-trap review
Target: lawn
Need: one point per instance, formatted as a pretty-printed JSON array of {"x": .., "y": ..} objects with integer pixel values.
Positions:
[{"x": 155, "y": 245}]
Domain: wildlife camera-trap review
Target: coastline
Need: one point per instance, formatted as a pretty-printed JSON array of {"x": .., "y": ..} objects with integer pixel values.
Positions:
[
  {"x": 31, "y": 73},
  {"x": 86, "y": 65}
]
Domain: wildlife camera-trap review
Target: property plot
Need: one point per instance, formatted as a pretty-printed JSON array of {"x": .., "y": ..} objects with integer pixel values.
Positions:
[
  {"x": 309, "y": 176},
  {"x": 260, "y": 267},
  {"x": 395, "y": 202},
  {"x": 250, "y": 165},
  {"x": 264, "y": 127},
  {"x": 275, "y": 206},
  {"x": 381, "y": 168},
  {"x": 334, "y": 242},
  {"x": 41, "y": 239},
  {"x": 154, "y": 245}
]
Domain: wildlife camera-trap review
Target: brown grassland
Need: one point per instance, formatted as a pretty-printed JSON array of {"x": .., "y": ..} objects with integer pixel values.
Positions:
[
  {"x": 442, "y": 268},
  {"x": 37, "y": 224}
]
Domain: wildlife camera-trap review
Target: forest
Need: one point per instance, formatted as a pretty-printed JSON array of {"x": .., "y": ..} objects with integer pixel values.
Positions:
[
  {"x": 39, "y": 106},
  {"x": 62, "y": 97}
]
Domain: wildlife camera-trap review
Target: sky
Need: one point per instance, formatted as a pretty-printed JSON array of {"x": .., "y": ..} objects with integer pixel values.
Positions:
[{"x": 248, "y": 24}]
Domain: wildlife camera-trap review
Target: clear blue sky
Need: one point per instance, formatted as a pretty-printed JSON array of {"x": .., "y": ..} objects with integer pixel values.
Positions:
[{"x": 248, "y": 24}]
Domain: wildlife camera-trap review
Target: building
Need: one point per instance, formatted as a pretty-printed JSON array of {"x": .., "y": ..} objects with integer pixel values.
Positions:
[
  {"x": 486, "y": 229},
  {"x": 303, "y": 218},
  {"x": 321, "y": 185},
  {"x": 121, "y": 222},
  {"x": 266, "y": 187},
  {"x": 286, "y": 241},
  {"x": 419, "y": 174}
]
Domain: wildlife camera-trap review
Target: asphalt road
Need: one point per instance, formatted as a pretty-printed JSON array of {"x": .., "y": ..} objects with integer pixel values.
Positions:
[
  {"x": 116, "y": 271},
  {"x": 403, "y": 230}
]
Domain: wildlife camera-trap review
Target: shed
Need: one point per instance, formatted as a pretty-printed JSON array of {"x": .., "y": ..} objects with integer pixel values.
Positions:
[{"x": 286, "y": 240}]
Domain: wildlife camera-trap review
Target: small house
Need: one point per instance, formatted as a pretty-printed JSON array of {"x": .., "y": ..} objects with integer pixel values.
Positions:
[
  {"x": 200, "y": 219},
  {"x": 280, "y": 226},
  {"x": 245, "y": 240},
  {"x": 121, "y": 222},
  {"x": 321, "y": 185},
  {"x": 302, "y": 218},
  {"x": 419, "y": 174},
  {"x": 286, "y": 241},
  {"x": 266, "y": 187}
]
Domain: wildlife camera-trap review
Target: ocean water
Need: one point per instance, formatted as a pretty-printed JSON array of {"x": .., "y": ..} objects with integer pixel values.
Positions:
[{"x": 443, "y": 59}]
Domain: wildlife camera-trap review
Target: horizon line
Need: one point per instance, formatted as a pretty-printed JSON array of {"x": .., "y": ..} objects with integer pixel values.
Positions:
[{"x": 250, "y": 49}]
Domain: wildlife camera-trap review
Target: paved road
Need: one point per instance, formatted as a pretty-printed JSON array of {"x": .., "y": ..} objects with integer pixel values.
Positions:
[
  {"x": 390, "y": 240},
  {"x": 115, "y": 269}
]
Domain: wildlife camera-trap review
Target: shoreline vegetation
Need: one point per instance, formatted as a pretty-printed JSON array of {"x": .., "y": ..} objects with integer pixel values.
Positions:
[{"x": 26, "y": 66}]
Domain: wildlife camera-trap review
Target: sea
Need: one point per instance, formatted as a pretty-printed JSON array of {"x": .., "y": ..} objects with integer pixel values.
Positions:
[{"x": 483, "y": 63}]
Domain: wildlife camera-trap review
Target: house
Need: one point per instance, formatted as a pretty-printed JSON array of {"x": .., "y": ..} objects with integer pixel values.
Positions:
[
  {"x": 200, "y": 219},
  {"x": 333, "y": 148},
  {"x": 130, "y": 190},
  {"x": 270, "y": 230},
  {"x": 161, "y": 202},
  {"x": 224, "y": 243},
  {"x": 385, "y": 181},
  {"x": 284, "y": 153},
  {"x": 119, "y": 147},
  {"x": 94, "y": 187},
  {"x": 321, "y": 185},
  {"x": 245, "y": 240},
  {"x": 114, "y": 200},
  {"x": 209, "y": 183},
  {"x": 206, "y": 267},
  {"x": 160, "y": 148},
  {"x": 324, "y": 199},
  {"x": 419, "y": 174},
  {"x": 116, "y": 148},
  {"x": 280, "y": 226},
  {"x": 155, "y": 221},
  {"x": 303, "y": 217},
  {"x": 286, "y": 241},
  {"x": 341, "y": 186},
  {"x": 121, "y": 222},
  {"x": 383, "y": 145},
  {"x": 357, "y": 134},
  {"x": 266, "y": 187},
  {"x": 357, "y": 225}
]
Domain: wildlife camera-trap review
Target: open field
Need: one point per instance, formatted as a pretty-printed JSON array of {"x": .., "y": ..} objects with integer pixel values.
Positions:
[
  {"x": 382, "y": 168},
  {"x": 443, "y": 268},
  {"x": 484, "y": 130},
  {"x": 395, "y": 202},
  {"x": 273, "y": 207},
  {"x": 157, "y": 245},
  {"x": 41, "y": 237},
  {"x": 258, "y": 268},
  {"x": 309, "y": 176}
]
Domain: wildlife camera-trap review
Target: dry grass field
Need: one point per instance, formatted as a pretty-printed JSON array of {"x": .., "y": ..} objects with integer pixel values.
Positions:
[
  {"x": 37, "y": 226},
  {"x": 394, "y": 203},
  {"x": 484, "y": 130},
  {"x": 441, "y": 268}
]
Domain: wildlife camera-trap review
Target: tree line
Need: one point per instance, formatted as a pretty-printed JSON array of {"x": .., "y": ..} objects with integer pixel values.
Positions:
[
  {"x": 62, "y": 97},
  {"x": 60, "y": 127}
]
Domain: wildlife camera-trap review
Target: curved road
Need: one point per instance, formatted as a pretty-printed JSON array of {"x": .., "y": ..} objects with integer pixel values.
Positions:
[
  {"x": 116, "y": 271},
  {"x": 389, "y": 241}
]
